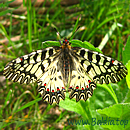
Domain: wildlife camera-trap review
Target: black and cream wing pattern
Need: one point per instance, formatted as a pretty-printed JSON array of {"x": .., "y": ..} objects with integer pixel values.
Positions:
[{"x": 61, "y": 69}]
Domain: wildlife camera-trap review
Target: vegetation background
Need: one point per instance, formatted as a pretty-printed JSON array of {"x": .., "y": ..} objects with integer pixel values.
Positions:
[{"x": 25, "y": 24}]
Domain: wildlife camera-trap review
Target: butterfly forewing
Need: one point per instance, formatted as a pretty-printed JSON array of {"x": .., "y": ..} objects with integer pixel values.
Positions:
[
  {"x": 60, "y": 69},
  {"x": 29, "y": 68},
  {"x": 102, "y": 69}
]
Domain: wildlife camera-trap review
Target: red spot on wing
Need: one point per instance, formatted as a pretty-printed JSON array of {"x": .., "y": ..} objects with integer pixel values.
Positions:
[
  {"x": 21, "y": 59},
  {"x": 47, "y": 89},
  {"x": 70, "y": 87},
  {"x": 82, "y": 88},
  {"x": 58, "y": 89},
  {"x": 52, "y": 90},
  {"x": 77, "y": 87},
  {"x": 45, "y": 84},
  {"x": 63, "y": 88},
  {"x": 87, "y": 86},
  {"x": 112, "y": 61},
  {"x": 89, "y": 81}
]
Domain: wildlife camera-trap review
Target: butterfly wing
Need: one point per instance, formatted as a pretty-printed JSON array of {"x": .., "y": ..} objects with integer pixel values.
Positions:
[
  {"x": 51, "y": 85},
  {"x": 40, "y": 66},
  {"x": 100, "y": 68},
  {"x": 81, "y": 85},
  {"x": 91, "y": 68},
  {"x": 29, "y": 68}
]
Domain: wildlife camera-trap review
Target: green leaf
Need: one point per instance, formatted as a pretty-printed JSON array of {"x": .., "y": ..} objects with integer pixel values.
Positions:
[
  {"x": 50, "y": 43},
  {"x": 71, "y": 105},
  {"x": 110, "y": 91},
  {"x": 115, "y": 117},
  {"x": 80, "y": 107},
  {"x": 85, "y": 44}
]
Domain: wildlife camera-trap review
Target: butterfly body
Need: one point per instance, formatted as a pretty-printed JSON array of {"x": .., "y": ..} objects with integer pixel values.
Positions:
[{"x": 65, "y": 68}]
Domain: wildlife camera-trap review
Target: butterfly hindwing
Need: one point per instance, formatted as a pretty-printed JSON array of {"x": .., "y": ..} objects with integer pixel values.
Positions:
[
  {"x": 102, "y": 69},
  {"x": 81, "y": 85},
  {"x": 28, "y": 68},
  {"x": 51, "y": 85}
]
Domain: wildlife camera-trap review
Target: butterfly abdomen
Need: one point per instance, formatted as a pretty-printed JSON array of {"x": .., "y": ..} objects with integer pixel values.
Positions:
[{"x": 65, "y": 65}]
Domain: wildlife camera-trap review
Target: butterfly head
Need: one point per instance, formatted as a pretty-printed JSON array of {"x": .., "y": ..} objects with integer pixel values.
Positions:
[{"x": 66, "y": 44}]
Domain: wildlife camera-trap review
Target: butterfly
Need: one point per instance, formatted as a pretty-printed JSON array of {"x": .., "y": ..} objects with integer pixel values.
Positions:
[{"x": 59, "y": 69}]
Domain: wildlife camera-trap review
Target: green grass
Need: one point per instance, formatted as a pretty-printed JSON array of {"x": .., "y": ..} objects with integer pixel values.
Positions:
[{"x": 104, "y": 24}]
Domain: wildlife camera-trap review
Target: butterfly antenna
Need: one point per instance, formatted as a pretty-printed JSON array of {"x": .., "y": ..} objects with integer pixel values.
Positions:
[{"x": 58, "y": 35}]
